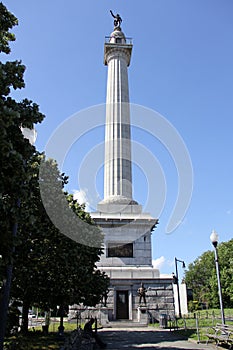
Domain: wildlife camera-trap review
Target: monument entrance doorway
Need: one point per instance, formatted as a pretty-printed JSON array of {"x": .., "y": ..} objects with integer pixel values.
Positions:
[{"x": 122, "y": 310}]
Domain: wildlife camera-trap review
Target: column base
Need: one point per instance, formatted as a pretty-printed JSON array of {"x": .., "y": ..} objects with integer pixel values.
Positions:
[{"x": 119, "y": 205}]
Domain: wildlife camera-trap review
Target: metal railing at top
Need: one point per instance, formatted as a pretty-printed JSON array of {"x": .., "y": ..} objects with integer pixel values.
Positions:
[{"x": 128, "y": 41}]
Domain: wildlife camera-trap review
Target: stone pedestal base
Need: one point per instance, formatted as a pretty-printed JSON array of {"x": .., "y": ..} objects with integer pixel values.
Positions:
[
  {"x": 119, "y": 208},
  {"x": 103, "y": 316},
  {"x": 142, "y": 315}
]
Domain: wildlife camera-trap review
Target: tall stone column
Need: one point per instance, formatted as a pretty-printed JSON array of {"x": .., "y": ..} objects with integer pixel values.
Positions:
[
  {"x": 117, "y": 168},
  {"x": 127, "y": 230},
  {"x": 127, "y": 256}
]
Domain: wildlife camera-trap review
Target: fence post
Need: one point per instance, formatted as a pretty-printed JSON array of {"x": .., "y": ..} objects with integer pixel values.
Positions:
[
  {"x": 213, "y": 318},
  {"x": 197, "y": 327}
]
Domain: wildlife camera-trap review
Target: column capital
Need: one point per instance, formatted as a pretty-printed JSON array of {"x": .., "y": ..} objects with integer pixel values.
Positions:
[{"x": 114, "y": 50}]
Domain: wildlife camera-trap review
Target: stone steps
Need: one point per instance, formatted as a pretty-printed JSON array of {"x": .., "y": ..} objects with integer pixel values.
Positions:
[{"x": 124, "y": 324}]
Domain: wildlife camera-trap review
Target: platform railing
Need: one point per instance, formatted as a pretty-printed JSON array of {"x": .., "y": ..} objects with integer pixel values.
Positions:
[{"x": 128, "y": 41}]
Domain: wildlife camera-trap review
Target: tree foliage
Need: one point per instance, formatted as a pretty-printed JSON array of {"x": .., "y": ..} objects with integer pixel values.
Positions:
[
  {"x": 15, "y": 149},
  {"x": 202, "y": 279},
  {"x": 7, "y": 21},
  {"x": 50, "y": 268}
]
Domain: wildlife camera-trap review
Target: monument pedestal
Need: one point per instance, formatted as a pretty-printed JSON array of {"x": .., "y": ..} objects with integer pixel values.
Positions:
[
  {"x": 103, "y": 316},
  {"x": 142, "y": 315}
]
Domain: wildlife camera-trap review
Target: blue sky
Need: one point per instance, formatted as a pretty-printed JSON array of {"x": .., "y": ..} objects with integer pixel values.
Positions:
[{"x": 181, "y": 67}]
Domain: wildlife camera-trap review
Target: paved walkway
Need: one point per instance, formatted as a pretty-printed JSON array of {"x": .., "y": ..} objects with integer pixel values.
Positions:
[{"x": 147, "y": 338}]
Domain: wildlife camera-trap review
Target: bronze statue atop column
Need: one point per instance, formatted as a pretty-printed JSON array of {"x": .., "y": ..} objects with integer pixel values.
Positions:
[{"x": 117, "y": 19}]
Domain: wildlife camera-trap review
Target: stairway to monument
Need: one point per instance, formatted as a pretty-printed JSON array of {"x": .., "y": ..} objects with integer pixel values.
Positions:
[{"x": 124, "y": 324}]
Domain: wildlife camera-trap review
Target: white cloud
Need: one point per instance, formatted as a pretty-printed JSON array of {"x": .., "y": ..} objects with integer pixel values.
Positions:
[
  {"x": 170, "y": 263},
  {"x": 158, "y": 263},
  {"x": 229, "y": 212},
  {"x": 82, "y": 198}
]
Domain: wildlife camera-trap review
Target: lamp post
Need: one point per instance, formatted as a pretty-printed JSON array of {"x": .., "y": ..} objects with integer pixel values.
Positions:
[
  {"x": 177, "y": 282},
  {"x": 214, "y": 241}
]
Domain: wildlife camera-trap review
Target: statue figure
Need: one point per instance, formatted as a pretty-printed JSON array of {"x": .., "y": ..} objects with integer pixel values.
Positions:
[
  {"x": 105, "y": 297},
  {"x": 142, "y": 294},
  {"x": 117, "y": 20}
]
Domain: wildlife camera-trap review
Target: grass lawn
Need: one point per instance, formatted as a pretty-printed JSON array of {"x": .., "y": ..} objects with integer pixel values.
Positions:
[
  {"x": 53, "y": 327},
  {"x": 187, "y": 326},
  {"x": 34, "y": 341},
  {"x": 205, "y": 320}
]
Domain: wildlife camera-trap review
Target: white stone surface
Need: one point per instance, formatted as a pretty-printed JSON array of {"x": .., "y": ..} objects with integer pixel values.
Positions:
[
  {"x": 142, "y": 315},
  {"x": 120, "y": 217},
  {"x": 117, "y": 170},
  {"x": 119, "y": 206},
  {"x": 183, "y": 299},
  {"x": 123, "y": 230},
  {"x": 131, "y": 272}
]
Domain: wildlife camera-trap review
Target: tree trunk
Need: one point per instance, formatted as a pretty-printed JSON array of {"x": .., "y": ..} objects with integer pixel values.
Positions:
[
  {"x": 61, "y": 326},
  {"x": 5, "y": 303},
  {"x": 61, "y": 321},
  {"x": 25, "y": 311}
]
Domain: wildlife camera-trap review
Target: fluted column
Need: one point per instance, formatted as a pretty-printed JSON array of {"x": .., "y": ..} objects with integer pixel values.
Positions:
[{"x": 118, "y": 168}]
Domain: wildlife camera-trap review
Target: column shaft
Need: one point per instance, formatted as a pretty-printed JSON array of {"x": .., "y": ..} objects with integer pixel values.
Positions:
[{"x": 118, "y": 172}]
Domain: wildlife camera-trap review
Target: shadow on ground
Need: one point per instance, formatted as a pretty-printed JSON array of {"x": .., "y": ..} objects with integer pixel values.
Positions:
[{"x": 147, "y": 340}]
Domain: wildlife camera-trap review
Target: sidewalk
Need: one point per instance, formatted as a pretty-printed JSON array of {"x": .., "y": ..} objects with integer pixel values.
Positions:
[{"x": 147, "y": 338}]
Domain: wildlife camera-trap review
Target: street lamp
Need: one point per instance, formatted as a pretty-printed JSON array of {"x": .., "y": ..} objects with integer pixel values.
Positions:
[
  {"x": 177, "y": 282},
  {"x": 214, "y": 241}
]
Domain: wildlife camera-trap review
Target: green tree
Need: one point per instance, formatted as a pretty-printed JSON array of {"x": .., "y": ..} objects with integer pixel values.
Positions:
[
  {"x": 50, "y": 268},
  {"x": 198, "y": 275},
  {"x": 15, "y": 150},
  {"x": 54, "y": 268},
  {"x": 201, "y": 276},
  {"x": 225, "y": 257}
]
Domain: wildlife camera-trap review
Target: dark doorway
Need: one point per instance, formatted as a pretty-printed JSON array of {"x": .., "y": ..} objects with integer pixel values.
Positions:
[{"x": 122, "y": 306}]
